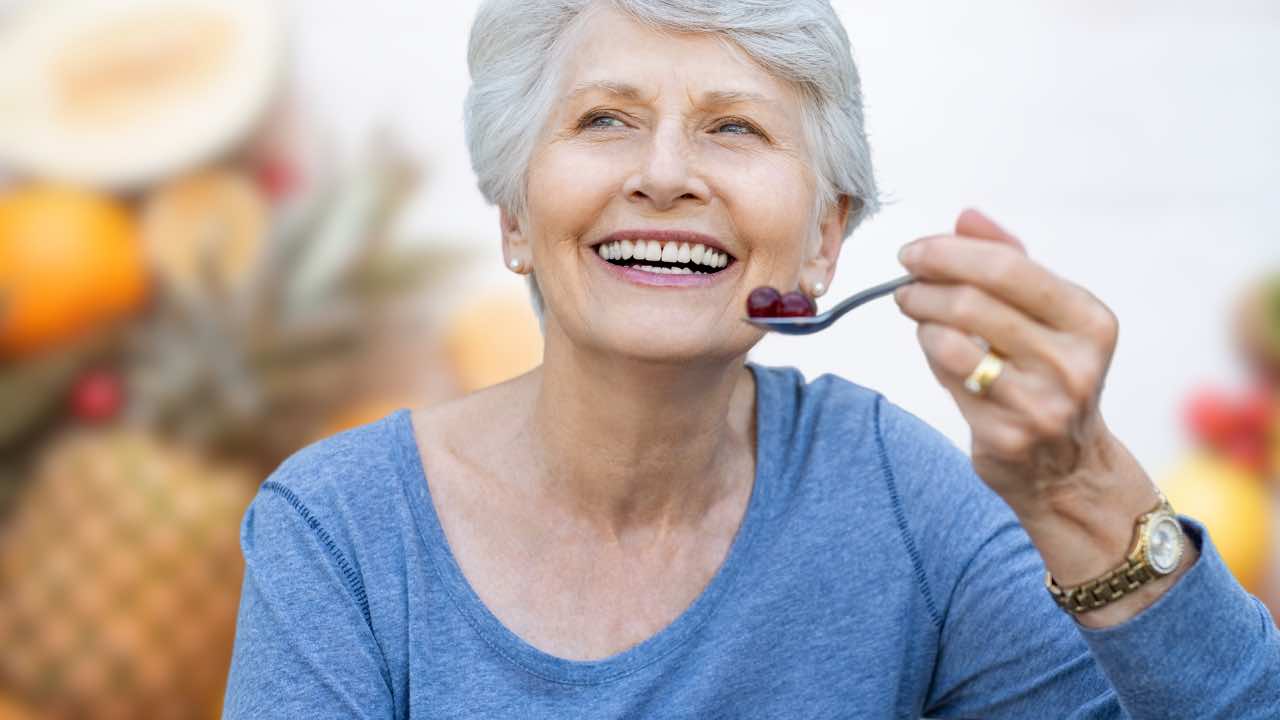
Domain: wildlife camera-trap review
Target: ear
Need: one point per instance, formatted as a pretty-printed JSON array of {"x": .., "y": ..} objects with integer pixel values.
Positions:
[
  {"x": 820, "y": 262},
  {"x": 515, "y": 244}
]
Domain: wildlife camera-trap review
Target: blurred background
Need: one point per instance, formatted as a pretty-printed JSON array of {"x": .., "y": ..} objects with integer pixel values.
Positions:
[{"x": 229, "y": 228}]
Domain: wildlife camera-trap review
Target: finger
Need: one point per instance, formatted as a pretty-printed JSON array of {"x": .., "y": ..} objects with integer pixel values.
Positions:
[
  {"x": 952, "y": 356},
  {"x": 974, "y": 311},
  {"x": 1027, "y": 405},
  {"x": 974, "y": 223},
  {"x": 1004, "y": 273}
]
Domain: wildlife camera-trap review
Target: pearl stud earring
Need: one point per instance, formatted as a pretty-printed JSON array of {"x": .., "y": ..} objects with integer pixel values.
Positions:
[
  {"x": 819, "y": 288},
  {"x": 515, "y": 264}
]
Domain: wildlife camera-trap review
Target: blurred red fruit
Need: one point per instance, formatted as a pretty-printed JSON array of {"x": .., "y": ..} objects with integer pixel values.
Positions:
[
  {"x": 97, "y": 396},
  {"x": 276, "y": 178},
  {"x": 1249, "y": 451},
  {"x": 1257, "y": 411},
  {"x": 1210, "y": 417}
]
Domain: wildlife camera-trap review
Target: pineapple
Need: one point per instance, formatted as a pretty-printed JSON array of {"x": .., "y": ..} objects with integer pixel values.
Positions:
[
  {"x": 119, "y": 559},
  {"x": 119, "y": 578}
]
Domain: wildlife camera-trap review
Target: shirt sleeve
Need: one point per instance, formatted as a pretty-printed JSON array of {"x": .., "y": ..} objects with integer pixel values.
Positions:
[
  {"x": 304, "y": 644},
  {"x": 1204, "y": 649}
]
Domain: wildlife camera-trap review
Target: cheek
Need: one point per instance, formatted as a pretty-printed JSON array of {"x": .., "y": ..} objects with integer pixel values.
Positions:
[
  {"x": 770, "y": 201},
  {"x": 567, "y": 186}
]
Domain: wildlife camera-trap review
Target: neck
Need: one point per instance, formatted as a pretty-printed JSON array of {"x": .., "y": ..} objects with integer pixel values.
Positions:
[{"x": 627, "y": 446}]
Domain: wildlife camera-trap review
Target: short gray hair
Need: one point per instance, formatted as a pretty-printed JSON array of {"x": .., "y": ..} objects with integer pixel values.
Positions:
[{"x": 517, "y": 48}]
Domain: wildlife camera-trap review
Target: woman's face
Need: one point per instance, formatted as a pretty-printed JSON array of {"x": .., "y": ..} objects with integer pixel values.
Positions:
[{"x": 659, "y": 139}]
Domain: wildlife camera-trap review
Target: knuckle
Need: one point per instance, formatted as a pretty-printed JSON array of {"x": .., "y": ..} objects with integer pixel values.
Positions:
[
  {"x": 1008, "y": 442},
  {"x": 1004, "y": 268},
  {"x": 1053, "y": 417},
  {"x": 967, "y": 305},
  {"x": 947, "y": 346},
  {"x": 1107, "y": 326},
  {"x": 1082, "y": 379}
]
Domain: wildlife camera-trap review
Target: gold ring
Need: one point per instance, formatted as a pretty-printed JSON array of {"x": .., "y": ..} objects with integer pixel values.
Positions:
[{"x": 989, "y": 368}]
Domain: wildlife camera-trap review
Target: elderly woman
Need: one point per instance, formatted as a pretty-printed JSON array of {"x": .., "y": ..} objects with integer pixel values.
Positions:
[{"x": 648, "y": 525}]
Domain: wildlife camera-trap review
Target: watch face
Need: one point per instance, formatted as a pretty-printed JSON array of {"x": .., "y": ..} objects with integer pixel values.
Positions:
[{"x": 1164, "y": 548}]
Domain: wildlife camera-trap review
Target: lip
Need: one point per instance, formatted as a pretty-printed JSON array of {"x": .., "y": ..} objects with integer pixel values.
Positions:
[{"x": 640, "y": 277}]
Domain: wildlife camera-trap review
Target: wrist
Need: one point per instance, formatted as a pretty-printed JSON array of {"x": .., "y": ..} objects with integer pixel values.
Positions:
[
  {"x": 1089, "y": 527},
  {"x": 1083, "y": 525}
]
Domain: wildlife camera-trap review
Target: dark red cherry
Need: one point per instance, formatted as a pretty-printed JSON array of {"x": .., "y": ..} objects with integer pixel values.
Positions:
[
  {"x": 796, "y": 304},
  {"x": 764, "y": 302}
]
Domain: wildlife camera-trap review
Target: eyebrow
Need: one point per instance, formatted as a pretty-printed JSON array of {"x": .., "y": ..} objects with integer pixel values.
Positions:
[{"x": 631, "y": 92}]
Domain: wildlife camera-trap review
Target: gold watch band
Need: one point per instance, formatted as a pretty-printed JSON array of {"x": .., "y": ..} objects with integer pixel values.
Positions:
[
  {"x": 1103, "y": 590},
  {"x": 1117, "y": 582}
]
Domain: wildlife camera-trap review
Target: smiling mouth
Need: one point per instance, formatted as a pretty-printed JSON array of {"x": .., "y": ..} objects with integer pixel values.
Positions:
[{"x": 669, "y": 258}]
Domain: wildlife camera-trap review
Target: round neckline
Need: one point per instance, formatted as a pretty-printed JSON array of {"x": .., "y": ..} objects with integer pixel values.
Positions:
[{"x": 550, "y": 667}]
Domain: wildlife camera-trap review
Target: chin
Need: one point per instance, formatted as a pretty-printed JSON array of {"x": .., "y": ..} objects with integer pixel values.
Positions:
[{"x": 691, "y": 341}]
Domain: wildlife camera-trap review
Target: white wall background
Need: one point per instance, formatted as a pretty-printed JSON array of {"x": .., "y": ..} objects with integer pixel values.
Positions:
[{"x": 1133, "y": 146}]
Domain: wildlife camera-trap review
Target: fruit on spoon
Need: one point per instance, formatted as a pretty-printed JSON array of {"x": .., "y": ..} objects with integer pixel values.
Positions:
[{"x": 766, "y": 301}]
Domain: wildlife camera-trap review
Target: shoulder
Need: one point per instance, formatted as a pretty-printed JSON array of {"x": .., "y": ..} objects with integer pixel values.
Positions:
[
  {"x": 348, "y": 480},
  {"x": 854, "y": 437},
  {"x": 831, "y": 410}
]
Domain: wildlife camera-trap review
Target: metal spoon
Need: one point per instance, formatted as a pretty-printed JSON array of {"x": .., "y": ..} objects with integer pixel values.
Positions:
[{"x": 807, "y": 325}]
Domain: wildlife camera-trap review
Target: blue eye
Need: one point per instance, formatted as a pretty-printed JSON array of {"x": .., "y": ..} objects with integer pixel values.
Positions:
[
  {"x": 594, "y": 122},
  {"x": 743, "y": 128}
]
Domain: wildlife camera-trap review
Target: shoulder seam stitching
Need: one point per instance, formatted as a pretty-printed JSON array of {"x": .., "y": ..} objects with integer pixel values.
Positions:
[
  {"x": 352, "y": 579},
  {"x": 900, "y": 516}
]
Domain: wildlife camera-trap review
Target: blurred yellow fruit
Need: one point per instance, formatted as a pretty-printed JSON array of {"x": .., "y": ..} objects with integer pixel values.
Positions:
[
  {"x": 205, "y": 232},
  {"x": 69, "y": 260},
  {"x": 1233, "y": 504},
  {"x": 493, "y": 339}
]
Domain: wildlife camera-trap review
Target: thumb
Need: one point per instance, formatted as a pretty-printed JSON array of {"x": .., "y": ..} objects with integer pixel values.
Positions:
[{"x": 973, "y": 223}]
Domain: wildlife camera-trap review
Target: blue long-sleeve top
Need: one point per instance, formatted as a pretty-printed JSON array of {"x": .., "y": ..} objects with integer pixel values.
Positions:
[{"x": 873, "y": 575}]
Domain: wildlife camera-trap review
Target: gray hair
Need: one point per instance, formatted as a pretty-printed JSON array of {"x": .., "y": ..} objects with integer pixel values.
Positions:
[{"x": 517, "y": 48}]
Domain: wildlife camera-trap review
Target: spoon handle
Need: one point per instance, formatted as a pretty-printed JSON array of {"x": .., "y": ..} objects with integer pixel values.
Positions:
[{"x": 869, "y": 294}]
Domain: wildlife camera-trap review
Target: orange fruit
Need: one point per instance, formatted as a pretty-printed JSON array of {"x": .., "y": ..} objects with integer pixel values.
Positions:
[
  {"x": 69, "y": 261},
  {"x": 1234, "y": 506}
]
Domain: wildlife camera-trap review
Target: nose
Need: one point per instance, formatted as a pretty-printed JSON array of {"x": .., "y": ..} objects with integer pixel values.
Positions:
[{"x": 667, "y": 175}]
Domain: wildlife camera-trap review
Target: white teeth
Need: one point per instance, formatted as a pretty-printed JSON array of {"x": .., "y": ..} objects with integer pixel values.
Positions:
[{"x": 670, "y": 252}]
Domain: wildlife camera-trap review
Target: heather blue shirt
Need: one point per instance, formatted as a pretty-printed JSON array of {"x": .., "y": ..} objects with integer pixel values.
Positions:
[{"x": 873, "y": 575}]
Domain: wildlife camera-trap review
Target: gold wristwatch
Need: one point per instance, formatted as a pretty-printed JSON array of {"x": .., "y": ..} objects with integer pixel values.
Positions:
[{"x": 1157, "y": 550}]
